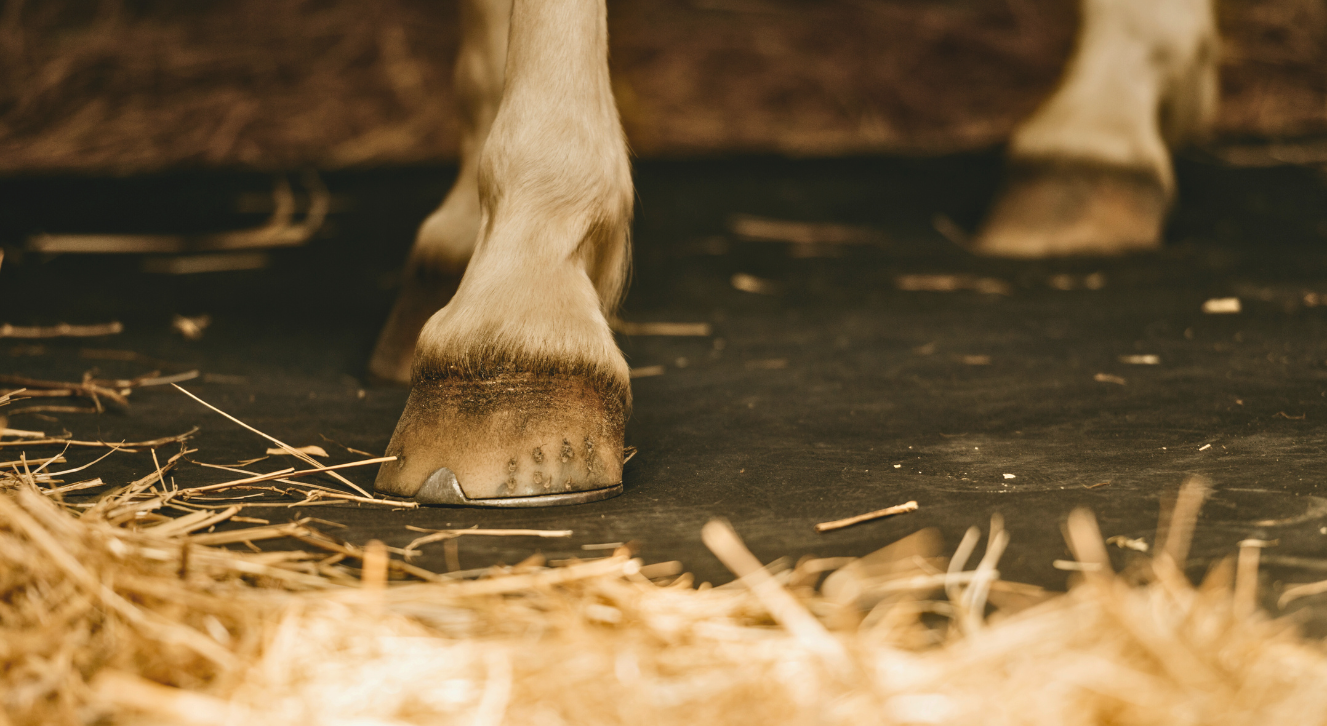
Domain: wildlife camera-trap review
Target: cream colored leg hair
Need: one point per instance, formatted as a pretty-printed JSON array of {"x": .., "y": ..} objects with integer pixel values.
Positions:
[
  {"x": 447, "y": 238},
  {"x": 519, "y": 387},
  {"x": 555, "y": 207},
  {"x": 1090, "y": 170}
]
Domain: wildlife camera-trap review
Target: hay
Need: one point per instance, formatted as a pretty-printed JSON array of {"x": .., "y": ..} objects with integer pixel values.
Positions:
[
  {"x": 63, "y": 330},
  {"x": 868, "y": 517},
  {"x": 111, "y": 613}
]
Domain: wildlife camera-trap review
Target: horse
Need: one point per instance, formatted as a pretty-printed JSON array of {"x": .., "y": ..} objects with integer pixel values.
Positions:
[{"x": 519, "y": 393}]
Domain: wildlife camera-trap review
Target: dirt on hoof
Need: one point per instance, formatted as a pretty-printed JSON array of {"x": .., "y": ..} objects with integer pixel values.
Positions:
[
  {"x": 421, "y": 296},
  {"x": 1064, "y": 208},
  {"x": 507, "y": 436}
]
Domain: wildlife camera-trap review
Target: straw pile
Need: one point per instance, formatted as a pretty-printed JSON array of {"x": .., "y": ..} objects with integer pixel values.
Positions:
[{"x": 110, "y": 613}]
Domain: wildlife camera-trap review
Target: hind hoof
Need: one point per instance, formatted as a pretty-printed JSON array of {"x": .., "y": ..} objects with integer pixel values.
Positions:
[{"x": 1065, "y": 208}]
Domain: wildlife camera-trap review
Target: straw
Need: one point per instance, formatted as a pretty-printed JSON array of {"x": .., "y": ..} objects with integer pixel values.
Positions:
[{"x": 112, "y": 613}]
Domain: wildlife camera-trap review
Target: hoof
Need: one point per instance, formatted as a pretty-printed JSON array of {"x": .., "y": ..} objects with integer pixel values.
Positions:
[
  {"x": 395, "y": 351},
  {"x": 514, "y": 439},
  {"x": 1062, "y": 208}
]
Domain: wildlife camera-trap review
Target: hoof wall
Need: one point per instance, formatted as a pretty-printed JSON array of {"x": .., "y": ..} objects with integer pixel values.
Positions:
[
  {"x": 510, "y": 440},
  {"x": 1065, "y": 208}
]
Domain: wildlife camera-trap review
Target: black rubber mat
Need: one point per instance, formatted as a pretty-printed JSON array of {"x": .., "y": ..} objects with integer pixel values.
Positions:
[{"x": 830, "y": 392}]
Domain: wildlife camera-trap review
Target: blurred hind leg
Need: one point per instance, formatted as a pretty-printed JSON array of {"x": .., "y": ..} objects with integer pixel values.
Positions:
[{"x": 1089, "y": 173}]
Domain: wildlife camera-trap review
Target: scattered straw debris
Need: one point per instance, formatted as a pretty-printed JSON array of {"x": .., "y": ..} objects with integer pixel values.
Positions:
[
  {"x": 951, "y": 230},
  {"x": 280, "y": 230},
  {"x": 338, "y": 443},
  {"x": 63, "y": 330},
  {"x": 1067, "y": 282},
  {"x": 1298, "y": 591},
  {"x": 800, "y": 233},
  {"x": 602, "y": 546},
  {"x": 1109, "y": 378},
  {"x": 290, "y": 473},
  {"x": 114, "y": 391},
  {"x": 1136, "y": 544},
  {"x": 758, "y": 285},
  {"x": 442, "y": 535},
  {"x": 877, "y": 514},
  {"x": 953, "y": 283},
  {"x": 22, "y": 433},
  {"x": 190, "y": 327},
  {"x": 310, "y": 450},
  {"x": 31, "y": 462},
  {"x": 291, "y": 450},
  {"x": 1141, "y": 360},
  {"x": 34, "y": 388},
  {"x": 1221, "y": 306},
  {"x": 626, "y": 327},
  {"x": 1073, "y": 566},
  {"x": 122, "y": 446}
]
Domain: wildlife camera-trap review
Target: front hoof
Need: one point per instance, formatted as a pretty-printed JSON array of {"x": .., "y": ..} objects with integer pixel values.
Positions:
[
  {"x": 1063, "y": 208},
  {"x": 515, "y": 439}
]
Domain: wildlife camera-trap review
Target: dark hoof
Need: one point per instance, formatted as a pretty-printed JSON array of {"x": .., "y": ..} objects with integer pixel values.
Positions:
[
  {"x": 1061, "y": 208},
  {"x": 420, "y": 297},
  {"x": 509, "y": 440}
]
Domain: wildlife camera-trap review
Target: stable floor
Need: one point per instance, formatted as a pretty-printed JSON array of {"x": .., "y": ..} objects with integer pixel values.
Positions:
[{"x": 834, "y": 389}]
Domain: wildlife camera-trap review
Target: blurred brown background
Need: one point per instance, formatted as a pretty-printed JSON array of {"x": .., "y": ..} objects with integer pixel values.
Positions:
[{"x": 125, "y": 86}]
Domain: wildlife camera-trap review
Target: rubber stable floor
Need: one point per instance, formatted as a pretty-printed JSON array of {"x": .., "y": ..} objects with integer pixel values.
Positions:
[{"x": 832, "y": 392}]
